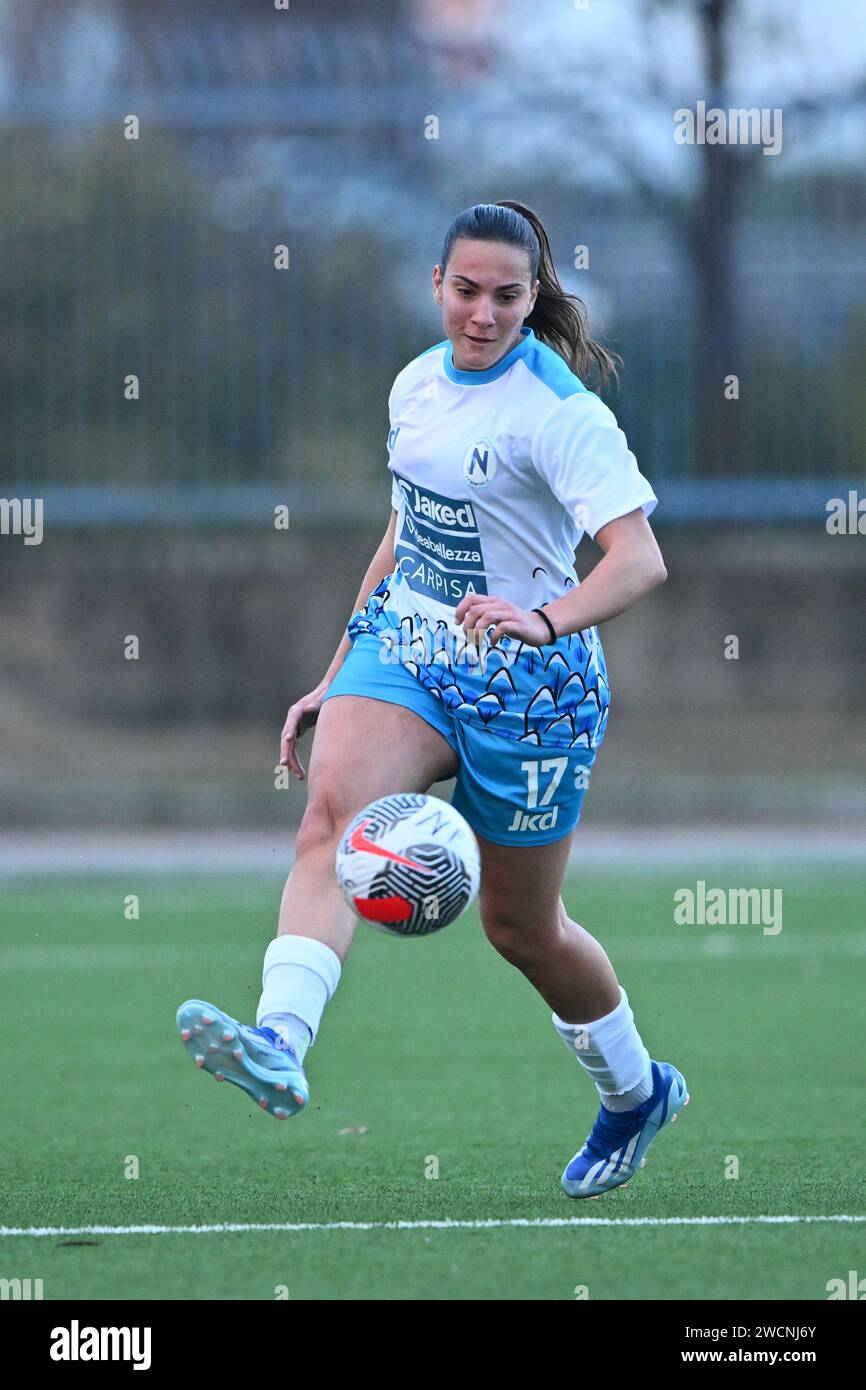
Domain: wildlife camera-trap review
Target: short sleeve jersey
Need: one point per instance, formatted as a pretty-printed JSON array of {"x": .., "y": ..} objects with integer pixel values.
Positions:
[{"x": 496, "y": 476}]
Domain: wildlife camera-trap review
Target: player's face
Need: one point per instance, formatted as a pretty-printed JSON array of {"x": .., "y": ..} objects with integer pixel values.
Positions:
[{"x": 485, "y": 295}]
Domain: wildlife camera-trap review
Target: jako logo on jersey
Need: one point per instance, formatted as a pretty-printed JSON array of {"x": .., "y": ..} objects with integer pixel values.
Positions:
[
  {"x": 480, "y": 463},
  {"x": 544, "y": 820},
  {"x": 392, "y": 438}
]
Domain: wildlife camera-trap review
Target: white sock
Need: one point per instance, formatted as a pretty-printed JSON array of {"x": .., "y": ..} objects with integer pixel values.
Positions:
[
  {"x": 292, "y": 1030},
  {"x": 611, "y": 1052},
  {"x": 299, "y": 976}
]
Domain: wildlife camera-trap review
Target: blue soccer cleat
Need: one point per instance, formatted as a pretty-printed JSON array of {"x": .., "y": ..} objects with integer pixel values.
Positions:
[
  {"x": 615, "y": 1149},
  {"x": 256, "y": 1059}
]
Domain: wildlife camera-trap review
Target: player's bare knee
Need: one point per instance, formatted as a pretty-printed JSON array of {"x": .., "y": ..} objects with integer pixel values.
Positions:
[
  {"x": 321, "y": 826},
  {"x": 511, "y": 939},
  {"x": 330, "y": 807}
]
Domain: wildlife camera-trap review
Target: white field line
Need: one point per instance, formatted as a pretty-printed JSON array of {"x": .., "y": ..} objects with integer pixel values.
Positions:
[
  {"x": 516, "y": 1223},
  {"x": 734, "y": 943}
]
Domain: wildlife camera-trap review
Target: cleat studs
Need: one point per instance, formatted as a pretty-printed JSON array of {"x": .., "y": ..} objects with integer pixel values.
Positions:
[
  {"x": 280, "y": 1114},
  {"x": 218, "y": 1076},
  {"x": 185, "y": 1034},
  {"x": 198, "y": 1030},
  {"x": 212, "y": 1047},
  {"x": 299, "y": 1099},
  {"x": 280, "y": 1086},
  {"x": 263, "y": 1104},
  {"x": 237, "y": 1053},
  {"x": 228, "y": 1035},
  {"x": 207, "y": 1018},
  {"x": 199, "y": 1061}
]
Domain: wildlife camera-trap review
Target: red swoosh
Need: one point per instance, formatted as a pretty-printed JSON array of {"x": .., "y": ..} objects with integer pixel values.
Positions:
[
  {"x": 383, "y": 909},
  {"x": 359, "y": 841}
]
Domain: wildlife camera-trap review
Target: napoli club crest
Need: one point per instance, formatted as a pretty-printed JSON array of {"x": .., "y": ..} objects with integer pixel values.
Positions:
[{"x": 480, "y": 463}]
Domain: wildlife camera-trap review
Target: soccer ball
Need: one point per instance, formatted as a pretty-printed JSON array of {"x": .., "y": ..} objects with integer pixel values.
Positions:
[{"x": 408, "y": 864}]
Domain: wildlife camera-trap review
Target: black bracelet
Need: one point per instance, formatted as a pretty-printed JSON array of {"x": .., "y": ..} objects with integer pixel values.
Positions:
[{"x": 551, "y": 628}]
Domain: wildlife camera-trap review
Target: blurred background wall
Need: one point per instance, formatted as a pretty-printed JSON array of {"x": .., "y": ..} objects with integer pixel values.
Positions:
[{"x": 732, "y": 282}]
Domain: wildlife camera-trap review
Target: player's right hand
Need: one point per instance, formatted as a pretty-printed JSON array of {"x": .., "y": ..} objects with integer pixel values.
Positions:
[{"x": 302, "y": 716}]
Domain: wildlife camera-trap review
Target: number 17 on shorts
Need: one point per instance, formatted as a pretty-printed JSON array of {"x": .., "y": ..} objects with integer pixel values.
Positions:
[
  {"x": 514, "y": 796},
  {"x": 544, "y": 776}
]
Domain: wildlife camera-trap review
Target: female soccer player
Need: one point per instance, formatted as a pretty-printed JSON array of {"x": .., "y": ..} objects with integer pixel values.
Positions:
[{"x": 473, "y": 651}]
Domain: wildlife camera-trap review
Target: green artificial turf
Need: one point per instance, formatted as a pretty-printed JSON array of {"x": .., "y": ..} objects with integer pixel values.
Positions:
[{"x": 440, "y": 1051}]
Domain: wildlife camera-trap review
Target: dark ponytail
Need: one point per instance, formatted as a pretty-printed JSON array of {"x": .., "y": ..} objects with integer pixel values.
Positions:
[{"x": 558, "y": 318}]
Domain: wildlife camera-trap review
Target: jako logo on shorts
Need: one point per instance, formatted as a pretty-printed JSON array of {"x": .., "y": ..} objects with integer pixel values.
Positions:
[{"x": 541, "y": 820}]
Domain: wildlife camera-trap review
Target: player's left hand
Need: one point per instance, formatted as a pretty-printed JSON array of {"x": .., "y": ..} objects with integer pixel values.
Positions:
[{"x": 477, "y": 611}]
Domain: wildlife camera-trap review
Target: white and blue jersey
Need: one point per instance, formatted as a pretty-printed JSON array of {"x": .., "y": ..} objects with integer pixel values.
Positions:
[{"x": 496, "y": 476}]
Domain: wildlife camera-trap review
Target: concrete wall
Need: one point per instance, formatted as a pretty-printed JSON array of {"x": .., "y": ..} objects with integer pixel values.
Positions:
[{"x": 233, "y": 627}]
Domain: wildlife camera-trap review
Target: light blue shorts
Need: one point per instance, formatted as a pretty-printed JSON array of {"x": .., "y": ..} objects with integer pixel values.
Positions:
[{"x": 511, "y": 792}]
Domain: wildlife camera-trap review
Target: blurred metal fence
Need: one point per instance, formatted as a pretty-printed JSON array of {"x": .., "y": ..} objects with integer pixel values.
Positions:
[{"x": 154, "y": 258}]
